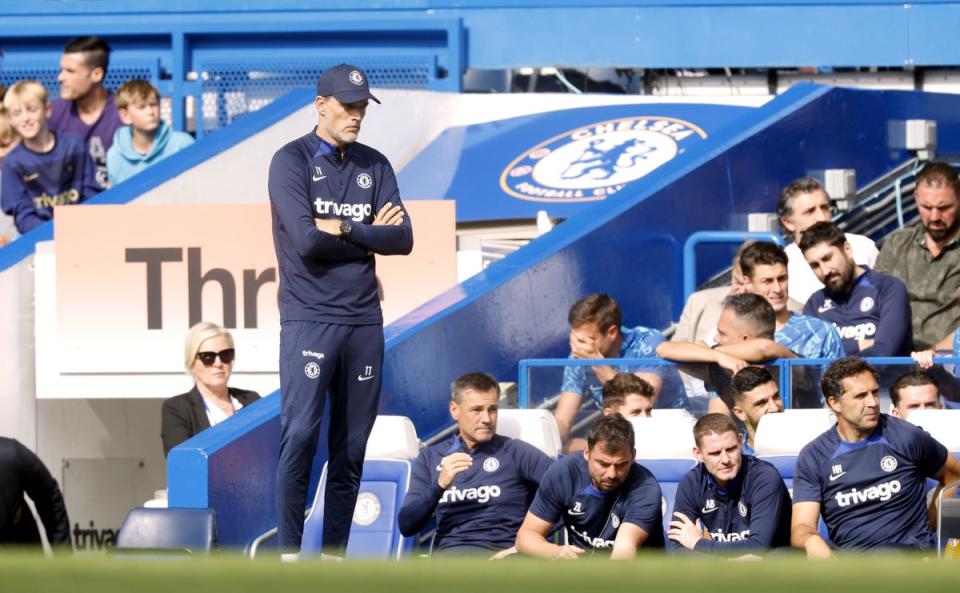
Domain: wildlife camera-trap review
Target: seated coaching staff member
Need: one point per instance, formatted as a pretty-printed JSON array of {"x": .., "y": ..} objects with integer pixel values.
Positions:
[
  {"x": 740, "y": 500},
  {"x": 208, "y": 357},
  {"x": 605, "y": 499},
  {"x": 867, "y": 474},
  {"x": 479, "y": 483}
]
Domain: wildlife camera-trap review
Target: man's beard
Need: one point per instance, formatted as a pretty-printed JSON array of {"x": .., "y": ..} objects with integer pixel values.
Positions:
[{"x": 942, "y": 232}]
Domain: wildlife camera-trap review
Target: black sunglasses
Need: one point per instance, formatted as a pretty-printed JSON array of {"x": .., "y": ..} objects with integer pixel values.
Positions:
[{"x": 207, "y": 358}]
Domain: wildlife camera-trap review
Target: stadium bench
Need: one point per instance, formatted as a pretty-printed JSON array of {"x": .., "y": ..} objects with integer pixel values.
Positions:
[{"x": 159, "y": 531}]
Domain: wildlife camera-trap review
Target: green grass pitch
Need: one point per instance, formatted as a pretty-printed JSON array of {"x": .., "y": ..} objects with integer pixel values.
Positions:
[{"x": 26, "y": 573}]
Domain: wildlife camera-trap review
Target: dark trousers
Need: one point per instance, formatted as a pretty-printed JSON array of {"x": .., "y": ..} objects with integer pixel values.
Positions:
[{"x": 315, "y": 359}]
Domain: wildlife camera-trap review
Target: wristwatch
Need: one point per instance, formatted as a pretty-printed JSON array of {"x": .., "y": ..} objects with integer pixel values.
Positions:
[{"x": 345, "y": 228}]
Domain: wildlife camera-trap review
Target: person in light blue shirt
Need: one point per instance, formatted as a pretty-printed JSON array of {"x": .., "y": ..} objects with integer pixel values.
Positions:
[
  {"x": 145, "y": 139},
  {"x": 764, "y": 267},
  {"x": 597, "y": 331}
]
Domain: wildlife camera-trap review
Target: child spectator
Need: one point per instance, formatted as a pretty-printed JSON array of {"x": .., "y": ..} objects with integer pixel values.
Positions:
[
  {"x": 145, "y": 138},
  {"x": 8, "y": 141},
  {"x": 45, "y": 169}
]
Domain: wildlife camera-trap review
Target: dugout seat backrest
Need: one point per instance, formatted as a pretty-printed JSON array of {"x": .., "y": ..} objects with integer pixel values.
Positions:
[
  {"x": 374, "y": 533},
  {"x": 668, "y": 472},
  {"x": 669, "y": 437},
  {"x": 948, "y": 522},
  {"x": 943, "y": 425},
  {"x": 536, "y": 427},
  {"x": 191, "y": 531},
  {"x": 789, "y": 432}
]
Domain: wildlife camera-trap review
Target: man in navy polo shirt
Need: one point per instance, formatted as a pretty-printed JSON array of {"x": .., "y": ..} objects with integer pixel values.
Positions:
[
  {"x": 478, "y": 483},
  {"x": 870, "y": 310},
  {"x": 607, "y": 502},
  {"x": 730, "y": 503},
  {"x": 867, "y": 474},
  {"x": 334, "y": 204}
]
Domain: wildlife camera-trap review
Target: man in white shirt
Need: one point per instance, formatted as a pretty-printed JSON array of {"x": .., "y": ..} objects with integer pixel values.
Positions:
[{"x": 802, "y": 204}]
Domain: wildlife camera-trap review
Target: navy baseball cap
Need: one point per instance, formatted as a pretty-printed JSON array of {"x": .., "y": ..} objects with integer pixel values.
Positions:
[{"x": 345, "y": 82}]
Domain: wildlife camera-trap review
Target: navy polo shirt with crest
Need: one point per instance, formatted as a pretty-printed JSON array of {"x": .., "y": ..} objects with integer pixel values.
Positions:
[
  {"x": 877, "y": 308},
  {"x": 324, "y": 277},
  {"x": 749, "y": 515},
  {"x": 592, "y": 517},
  {"x": 485, "y": 505},
  {"x": 872, "y": 494}
]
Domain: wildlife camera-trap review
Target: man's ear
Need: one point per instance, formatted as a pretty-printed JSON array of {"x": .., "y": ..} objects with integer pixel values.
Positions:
[
  {"x": 739, "y": 413},
  {"x": 97, "y": 74},
  {"x": 697, "y": 455},
  {"x": 834, "y": 404},
  {"x": 454, "y": 410},
  {"x": 612, "y": 332},
  {"x": 125, "y": 116},
  {"x": 787, "y": 224}
]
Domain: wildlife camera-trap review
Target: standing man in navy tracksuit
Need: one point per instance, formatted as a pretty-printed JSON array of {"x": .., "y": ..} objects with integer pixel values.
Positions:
[
  {"x": 334, "y": 204},
  {"x": 730, "y": 503}
]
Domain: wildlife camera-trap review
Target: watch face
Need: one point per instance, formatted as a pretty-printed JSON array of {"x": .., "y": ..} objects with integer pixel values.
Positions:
[{"x": 346, "y": 227}]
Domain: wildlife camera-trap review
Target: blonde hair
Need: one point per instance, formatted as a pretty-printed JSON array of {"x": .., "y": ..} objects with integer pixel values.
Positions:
[
  {"x": 7, "y": 133},
  {"x": 22, "y": 92},
  {"x": 197, "y": 335},
  {"x": 135, "y": 90}
]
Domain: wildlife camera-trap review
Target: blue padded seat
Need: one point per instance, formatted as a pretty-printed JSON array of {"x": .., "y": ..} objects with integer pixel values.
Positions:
[
  {"x": 374, "y": 532},
  {"x": 192, "y": 530}
]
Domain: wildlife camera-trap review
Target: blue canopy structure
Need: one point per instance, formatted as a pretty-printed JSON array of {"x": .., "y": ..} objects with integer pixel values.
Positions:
[{"x": 559, "y": 161}]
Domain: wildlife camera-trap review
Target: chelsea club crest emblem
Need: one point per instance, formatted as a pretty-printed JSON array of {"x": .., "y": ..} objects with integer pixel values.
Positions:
[{"x": 598, "y": 160}]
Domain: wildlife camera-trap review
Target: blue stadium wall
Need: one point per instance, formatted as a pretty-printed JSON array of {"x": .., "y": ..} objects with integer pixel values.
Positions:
[{"x": 630, "y": 247}]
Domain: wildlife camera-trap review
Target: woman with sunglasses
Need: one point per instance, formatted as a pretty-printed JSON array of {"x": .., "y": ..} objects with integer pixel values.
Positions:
[{"x": 208, "y": 357}]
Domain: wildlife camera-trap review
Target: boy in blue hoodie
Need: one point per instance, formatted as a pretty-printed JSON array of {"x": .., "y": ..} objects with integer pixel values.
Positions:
[{"x": 145, "y": 139}]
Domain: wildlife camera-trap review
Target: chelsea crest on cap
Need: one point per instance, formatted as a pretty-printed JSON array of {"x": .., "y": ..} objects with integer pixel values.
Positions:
[{"x": 345, "y": 82}]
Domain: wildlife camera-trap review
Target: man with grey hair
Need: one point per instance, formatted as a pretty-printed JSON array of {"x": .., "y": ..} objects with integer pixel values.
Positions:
[
  {"x": 802, "y": 204},
  {"x": 478, "y": 483}
]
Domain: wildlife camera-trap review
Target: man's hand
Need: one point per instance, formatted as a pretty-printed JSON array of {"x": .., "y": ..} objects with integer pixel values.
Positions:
[
  {"x": 583, "y": 347},
  {"x": 568, "y": 552},
  {"x": 924, "y": 358},
  {"x": 389, "y": 215},
  {"x": 729, "y": 363},
  {"x": 684, "y": 531},
  {"x": 331, "y": 226},
  {"x": 504, "y": 553},
  {"x": 451, "y": 466}
]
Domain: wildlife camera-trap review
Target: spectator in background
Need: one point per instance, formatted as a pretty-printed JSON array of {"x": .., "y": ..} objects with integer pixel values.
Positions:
[
  {"x": 745, "y": 333},
  {"x": 925, "y": 255},
  {"x": 764, "y": 267},
  {"x": 596, "y": 332},
  {"x": 628, "y": 395},
  {"x": 802, "y": 204},
  {"x": 145, "y": 139},
  {"x": 8, "y": 141},
  {"x": 755, "y": 394},
  {"x": 870, "y": 310},
  {"x": 730, "y": 503},
  {"x": 46, "y": 169},
  {"x": 86, "y": 108},
  {"x": 208, "y": 358},
  {"x": 914, "y": 390},
  {"x": 478, "y": 483},
  {"x": 22, "y": 473}
]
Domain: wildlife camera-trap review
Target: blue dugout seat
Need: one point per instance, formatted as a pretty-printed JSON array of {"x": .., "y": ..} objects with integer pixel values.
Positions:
[
  {"x": 191, "y": 531},
  {"x": 668, "y": 473},
  {"x": 375, "y": 532}
]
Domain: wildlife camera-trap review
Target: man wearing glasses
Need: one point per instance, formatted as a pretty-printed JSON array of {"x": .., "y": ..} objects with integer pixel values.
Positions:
[{"x": 334, "y": 203}]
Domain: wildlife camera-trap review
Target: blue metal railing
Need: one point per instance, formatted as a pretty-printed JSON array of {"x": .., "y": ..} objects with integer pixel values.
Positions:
[
  {"x": 695, "y": 239},
  {"x": 785, "y": 367}
]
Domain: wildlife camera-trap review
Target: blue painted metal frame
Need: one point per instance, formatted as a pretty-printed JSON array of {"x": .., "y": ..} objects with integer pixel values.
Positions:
[
  {"x": 183, "y": 41},
  {"x": 784, "y": 365},
  {"x": 690, "y": 251},
  {"x": 508, "y": 34}
]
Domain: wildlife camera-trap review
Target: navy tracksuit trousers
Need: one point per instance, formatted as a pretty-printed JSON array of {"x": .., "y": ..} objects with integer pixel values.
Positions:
[{"x": 316, "y": 359}]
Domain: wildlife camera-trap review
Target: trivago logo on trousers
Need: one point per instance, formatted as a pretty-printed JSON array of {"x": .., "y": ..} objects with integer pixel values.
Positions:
[{"x": 598, "y": 160}]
